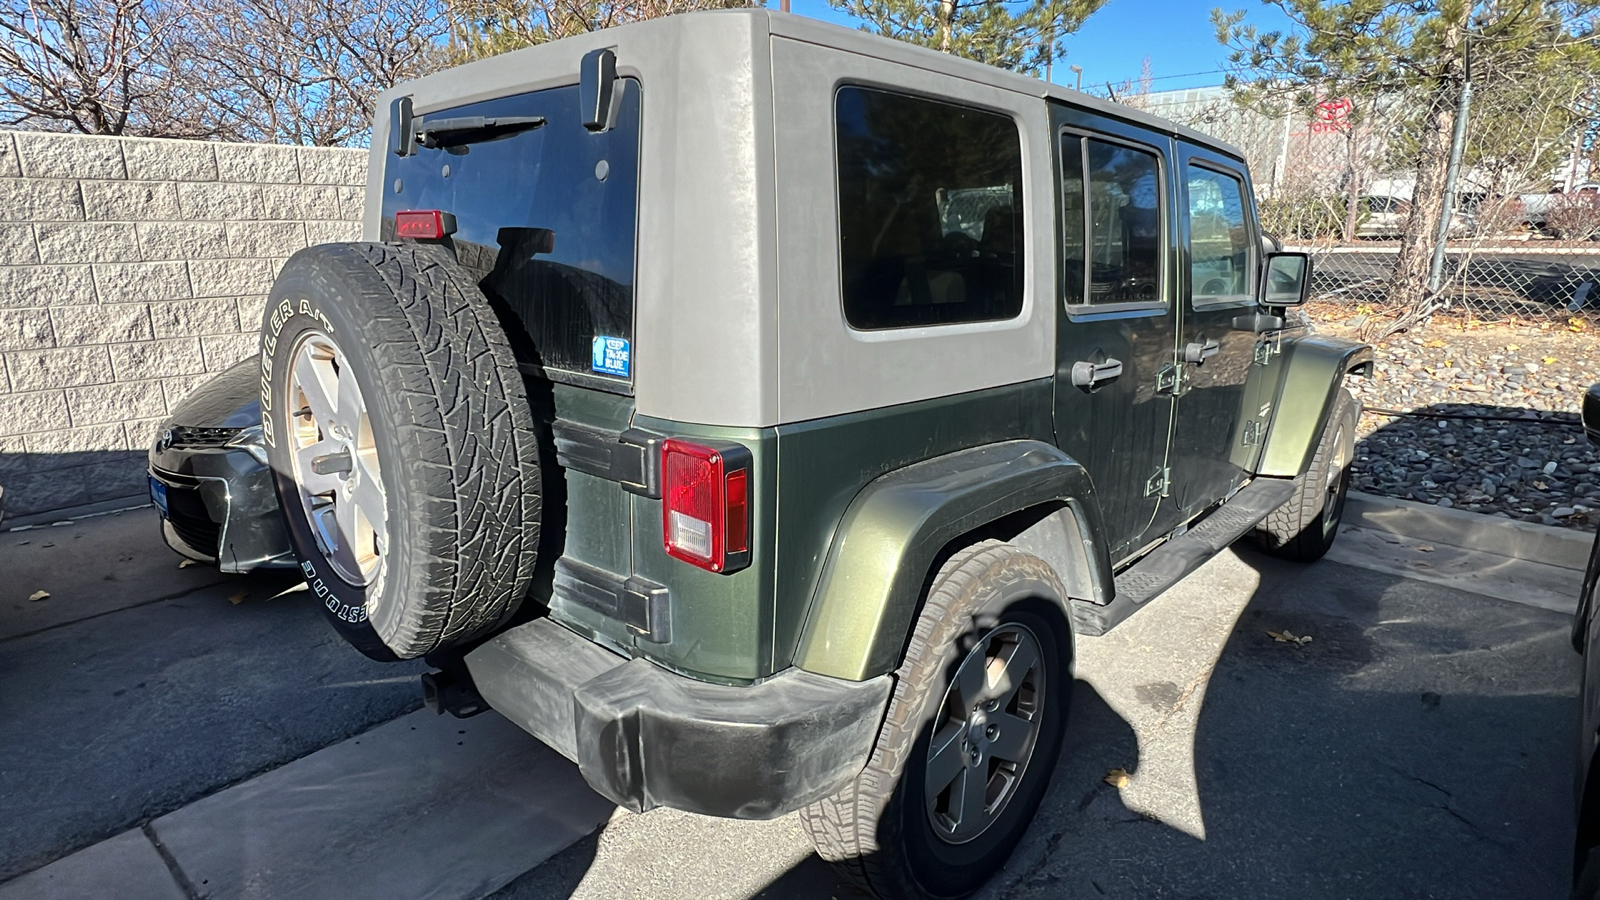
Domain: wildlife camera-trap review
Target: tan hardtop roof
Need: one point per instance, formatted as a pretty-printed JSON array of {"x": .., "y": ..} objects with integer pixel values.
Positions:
[{"x": 815, "y": 31}]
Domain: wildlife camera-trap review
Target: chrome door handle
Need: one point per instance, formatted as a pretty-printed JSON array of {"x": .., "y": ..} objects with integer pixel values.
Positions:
[
  {"x": 1091, "y": 375},
  {"x": 1197, "y": 352}
]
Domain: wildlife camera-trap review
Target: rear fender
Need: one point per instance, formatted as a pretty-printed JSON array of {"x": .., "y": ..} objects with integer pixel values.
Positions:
[
  {"x": 893, "y": 532},
  {"x": 1314, "y": 369}
]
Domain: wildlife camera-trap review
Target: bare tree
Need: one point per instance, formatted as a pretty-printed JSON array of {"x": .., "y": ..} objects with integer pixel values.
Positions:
[
  {"x": 483, "y": 28},
  {"x": 92, "y": 66}
]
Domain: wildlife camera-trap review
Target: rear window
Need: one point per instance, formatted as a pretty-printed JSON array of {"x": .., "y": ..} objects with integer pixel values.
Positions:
[
  {"x": 545, "y": 219},
  {"x": 930, "y": 211}
]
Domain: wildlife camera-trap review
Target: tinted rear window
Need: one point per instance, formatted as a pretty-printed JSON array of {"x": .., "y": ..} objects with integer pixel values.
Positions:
[
  {"x": 930, "y": 211},
  {"x": 545, "y": 219}
]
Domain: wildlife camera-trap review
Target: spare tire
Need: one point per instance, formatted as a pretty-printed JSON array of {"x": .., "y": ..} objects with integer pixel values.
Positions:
[{"x": 402, "y": 445}]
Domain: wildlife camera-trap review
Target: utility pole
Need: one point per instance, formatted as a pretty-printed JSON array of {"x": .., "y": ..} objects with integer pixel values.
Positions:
[
  {"x": 1078, "y": 70},
  {"x": 1457, "y": 141}
]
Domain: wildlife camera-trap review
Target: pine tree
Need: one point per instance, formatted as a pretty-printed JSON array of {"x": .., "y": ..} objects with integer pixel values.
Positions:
[{"x": 1023, "y": 35}]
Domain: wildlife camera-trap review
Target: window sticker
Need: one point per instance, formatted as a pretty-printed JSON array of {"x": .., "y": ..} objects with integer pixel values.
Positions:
[{"x": 611, "y": 356}]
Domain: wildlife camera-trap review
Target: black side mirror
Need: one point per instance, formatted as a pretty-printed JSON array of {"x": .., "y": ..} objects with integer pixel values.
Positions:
[
  {"x": 1287, "y": 279},
  {"x": 1591, "y": 413}
]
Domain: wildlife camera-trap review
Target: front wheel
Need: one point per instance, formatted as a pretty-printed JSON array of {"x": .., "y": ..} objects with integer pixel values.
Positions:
[
  {"x": 1303, "y": 529},
  {"x": 971, "y": 738}
]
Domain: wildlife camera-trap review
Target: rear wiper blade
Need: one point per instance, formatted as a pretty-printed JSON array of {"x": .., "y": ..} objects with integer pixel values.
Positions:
[{"x": 464, "y": 130}]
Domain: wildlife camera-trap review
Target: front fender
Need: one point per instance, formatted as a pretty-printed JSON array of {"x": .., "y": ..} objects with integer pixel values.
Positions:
[
  {"x": 894, "y": 530},
  {"x": 1315, "y": 366}
]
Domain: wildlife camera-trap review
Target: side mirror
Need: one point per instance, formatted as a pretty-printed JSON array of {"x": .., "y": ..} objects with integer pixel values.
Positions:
[{"x": 1287, "y": 280}]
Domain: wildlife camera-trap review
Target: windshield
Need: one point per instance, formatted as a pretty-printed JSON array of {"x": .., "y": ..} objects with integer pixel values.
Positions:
[{"x": 545, "y": 219}]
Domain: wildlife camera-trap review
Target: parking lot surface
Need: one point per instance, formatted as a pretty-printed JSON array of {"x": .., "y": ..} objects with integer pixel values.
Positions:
[{"x": 1419, "y": 745}]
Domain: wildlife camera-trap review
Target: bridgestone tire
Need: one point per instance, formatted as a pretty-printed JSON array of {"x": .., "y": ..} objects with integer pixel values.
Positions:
[
  {"x": 1304, "y": 528},
  {"x": 454, "y": 440},
  {"x": 876, "y": 831}
]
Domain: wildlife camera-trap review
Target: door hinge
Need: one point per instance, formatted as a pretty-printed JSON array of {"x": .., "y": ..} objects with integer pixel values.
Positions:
[
  {"x": 1159, "y": 484},
  {"x": 1169, "y": 380},
  {"x": 1252, "y": 432},
  {"x": 1267, "y": 348}
]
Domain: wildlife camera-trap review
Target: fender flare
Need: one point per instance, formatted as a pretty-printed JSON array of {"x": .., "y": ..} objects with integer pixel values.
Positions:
[
  {"x": 1315, "y": 366},
  {"x": 890, "y": 537}
]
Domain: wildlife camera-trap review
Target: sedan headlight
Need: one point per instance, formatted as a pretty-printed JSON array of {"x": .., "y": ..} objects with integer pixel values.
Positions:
[{"x": 250, "y": 440}]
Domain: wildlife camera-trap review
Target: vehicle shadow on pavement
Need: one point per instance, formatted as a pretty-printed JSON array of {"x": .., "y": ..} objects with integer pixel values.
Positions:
[{"x": 1419, "y": 745}]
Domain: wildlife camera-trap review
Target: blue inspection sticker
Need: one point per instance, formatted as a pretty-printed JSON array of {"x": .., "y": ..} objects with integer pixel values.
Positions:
[{"x": 611, "y": 356}]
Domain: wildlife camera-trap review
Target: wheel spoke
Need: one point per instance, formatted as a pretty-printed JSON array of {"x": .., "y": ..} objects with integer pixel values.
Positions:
[
  {"x": 308, "y": 377},
  {"x": 311, "y": 482},
  {"x": 967, "y": 804},
  {"x": 945, "y": 759},
  {"x": 345, "y": 518},
  {"x": 1017, "y": 661},
  {"x": 368, "y": 494},
  {"x": 972, "y": 681},
  {"x": 349, "y": 411},
  {"x": 1010, "y": 743}
]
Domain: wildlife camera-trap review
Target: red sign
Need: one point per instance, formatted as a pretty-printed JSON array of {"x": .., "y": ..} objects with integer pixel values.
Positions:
[{"x": 1332, "y": 115}]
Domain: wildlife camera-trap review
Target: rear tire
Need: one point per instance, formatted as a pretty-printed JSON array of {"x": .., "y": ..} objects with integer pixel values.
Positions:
[
  {"x": 422, "y": 429},
  {"x": 894, "y": 830},
  {"x": 1304, "y": 528}
]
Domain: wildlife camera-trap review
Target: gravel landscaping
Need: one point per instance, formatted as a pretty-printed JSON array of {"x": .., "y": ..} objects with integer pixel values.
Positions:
[{"x": 1492, "y": 420}]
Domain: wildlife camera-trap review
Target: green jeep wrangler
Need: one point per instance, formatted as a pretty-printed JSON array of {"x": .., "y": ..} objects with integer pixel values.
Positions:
[{"x": 754, "y": 410}]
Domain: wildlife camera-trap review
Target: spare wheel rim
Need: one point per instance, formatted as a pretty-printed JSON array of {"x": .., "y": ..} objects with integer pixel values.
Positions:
[{"x": 334, "y": 460}]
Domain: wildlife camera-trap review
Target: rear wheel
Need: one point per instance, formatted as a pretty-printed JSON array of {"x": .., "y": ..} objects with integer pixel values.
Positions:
[
  {"x": 971, "y": 738},
  {"x": 1304, "y": 528},
  {"x": 402, "y": 446}
]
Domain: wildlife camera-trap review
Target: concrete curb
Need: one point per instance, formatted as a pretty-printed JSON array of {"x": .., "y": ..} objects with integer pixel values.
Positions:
[{"x": 1563, "y": 547}]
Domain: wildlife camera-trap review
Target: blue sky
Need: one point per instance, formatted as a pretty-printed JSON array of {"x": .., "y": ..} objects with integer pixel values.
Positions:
[{"x": 1111, "y": 46}]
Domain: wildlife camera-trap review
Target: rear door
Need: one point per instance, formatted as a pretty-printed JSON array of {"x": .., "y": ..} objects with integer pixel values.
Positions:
[
  {"x": 1116, "y": 333},
  {"x": 1217, "y": 277}
]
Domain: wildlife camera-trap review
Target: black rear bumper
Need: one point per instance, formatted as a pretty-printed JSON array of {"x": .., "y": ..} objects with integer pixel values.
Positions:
[{"x": 644, "y": 737}]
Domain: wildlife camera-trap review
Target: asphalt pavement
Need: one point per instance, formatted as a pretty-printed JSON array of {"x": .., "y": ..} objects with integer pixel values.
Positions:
[{"x": 1420, "y": 745}]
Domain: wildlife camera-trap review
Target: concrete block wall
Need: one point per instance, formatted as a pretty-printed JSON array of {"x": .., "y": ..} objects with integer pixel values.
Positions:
[{"x": 130, "y": 271}]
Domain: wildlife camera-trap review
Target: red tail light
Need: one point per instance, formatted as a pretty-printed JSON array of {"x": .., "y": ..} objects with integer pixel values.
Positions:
[
  {"x": 423, "y": 224},
  {"x": 705, "y": 504}
]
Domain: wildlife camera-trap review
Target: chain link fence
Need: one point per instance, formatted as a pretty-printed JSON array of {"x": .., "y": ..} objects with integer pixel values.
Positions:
[{"x": 1524, "y": 239}]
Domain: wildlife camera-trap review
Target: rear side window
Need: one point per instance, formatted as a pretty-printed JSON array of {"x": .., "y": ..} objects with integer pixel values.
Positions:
[
  {"x": 1113, "y": 235},
  {"x": 545, "y": 219},
  {"x": 930, "y": 211}
]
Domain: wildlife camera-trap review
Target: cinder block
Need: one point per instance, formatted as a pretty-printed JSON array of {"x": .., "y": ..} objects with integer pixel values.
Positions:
[
  {"x": 46, "y": 490},
  {"x": 332, "y": 165},
  {"x": 40, "y": 200},
  {"x": 139, "y": 434},
  {"x": 76, "y": 446},
  {"x": 223, "y": 350},
  {"x": 114, "y": 478},
  {"x": 183, "y": 240},
  {"x": 14, "y": 460},
  {"x": 250, "y": 312},
  {"x": 266, "y": 238},
  {"x": 352, "y": 203},
  {"x": 115, "y": 403},
  {"x": 9, "y": 166},
  {"x": 26, "y": 329},
  {"x": 109, "y": 323},
  {"x": 299, "y": 201},
  {"x": 257, "y": 164},
  {"x": 17, "y": 246},
  {"x": 51, "y": 155},
  {"x": 332, "y": 232},
  {"x": 220, "y": 200},
  {"x": 159, "y": 159},
  {"x": 87, "y": 242},
  {"x": 27, "y": 286},
  {"x": 183, "y": 318},
  {"x": 156, "y": 359},
  {"x": 38, "y": 370},
  {"x": 231, "y": 277},
  {"x": 144, "y": 282},
  {"x": 130, "y": 201},
  {"x": 33, "y": 412}
]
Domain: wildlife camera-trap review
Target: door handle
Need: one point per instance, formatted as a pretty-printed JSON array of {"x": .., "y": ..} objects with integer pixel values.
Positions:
[
  {"x": 1091, "y": 375},
  {"x": 1197, "y": 352}
]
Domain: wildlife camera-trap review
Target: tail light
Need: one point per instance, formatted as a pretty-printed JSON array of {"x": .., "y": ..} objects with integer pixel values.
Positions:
[
  {"x": 423, "y": 224},
  {"x": 705, "y": 504}
]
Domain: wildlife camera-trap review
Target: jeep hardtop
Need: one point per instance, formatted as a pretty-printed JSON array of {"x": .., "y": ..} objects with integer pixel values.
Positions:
[{"x": 754, "y": 410}]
